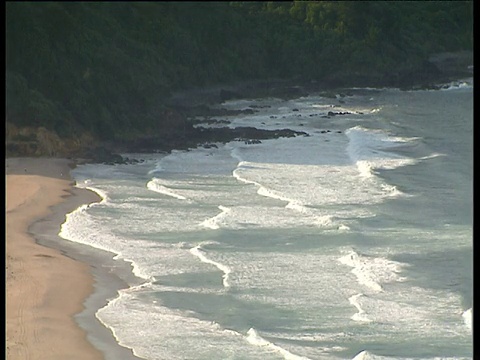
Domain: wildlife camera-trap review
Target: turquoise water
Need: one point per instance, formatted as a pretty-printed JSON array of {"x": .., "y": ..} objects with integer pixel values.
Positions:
[{"x": 352, "y": 242}]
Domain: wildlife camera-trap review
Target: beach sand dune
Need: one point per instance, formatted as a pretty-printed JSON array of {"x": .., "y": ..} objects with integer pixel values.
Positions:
[{"x": 44, "y": 289}]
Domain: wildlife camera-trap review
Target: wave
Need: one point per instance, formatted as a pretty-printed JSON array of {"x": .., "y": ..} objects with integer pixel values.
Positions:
[
  {"x": 368, "y": 149},
  {"x": 432, "y": 156},
  {"x": 112, "y": 303},
  {"x": 154, "y": 185},
  {"x": 458, "y": 85},
  {"x": 360, "y": 315},
  {"x": 263, "y": 191},
  {"x": 199, "y": 252},
  {"x": 297, "y": 206},
  {"x": 158, "y": 168},
  {"x": 80, "y": 227},
  {"x": 366, "y": 355},
  {"x": 213, "y": 223},
  {"x": 392, "y": 191},
  {"x": 102, "y": 194},
  {"x": 255, "y": 339},
  {"x": 365, "y": 168},
  {"x": 467, "y": 318},
  {"x": 373, "y": 272}
]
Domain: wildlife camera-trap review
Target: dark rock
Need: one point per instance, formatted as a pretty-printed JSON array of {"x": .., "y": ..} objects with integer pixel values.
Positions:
[
  {"x": 334, "y": 113},
  {"x": 254, "y": 141},
  {"x": 101, "y": 154}
]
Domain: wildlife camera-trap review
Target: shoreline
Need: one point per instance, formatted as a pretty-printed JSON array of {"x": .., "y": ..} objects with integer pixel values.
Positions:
[{"x": 54, "y": 287}]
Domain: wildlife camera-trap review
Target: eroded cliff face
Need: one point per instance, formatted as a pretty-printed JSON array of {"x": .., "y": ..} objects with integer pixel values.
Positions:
[{"x": 39, "y": 141}]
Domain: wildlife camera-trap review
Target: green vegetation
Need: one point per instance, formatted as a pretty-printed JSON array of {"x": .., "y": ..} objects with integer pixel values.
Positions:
[{"x": 106, "y": 67}]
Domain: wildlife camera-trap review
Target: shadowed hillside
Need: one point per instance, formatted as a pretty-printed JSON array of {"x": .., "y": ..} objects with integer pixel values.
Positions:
[{"x": 91, "y": 72}]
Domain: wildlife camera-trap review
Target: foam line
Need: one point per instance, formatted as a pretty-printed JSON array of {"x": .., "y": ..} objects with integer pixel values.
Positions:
[
  {"x": 372, "y": 272},
  {"x": 360, "y": 315},
  {"x": 294, "y": 205},
  {"x": 467, "y": 318},
  {"x": 212, "y": 223},
  {"x": 255, "y": 339},
  {"x": 199, "y": 252},
  {"x": 154, "y": 186},
  {"x": 366, "y": 355}
]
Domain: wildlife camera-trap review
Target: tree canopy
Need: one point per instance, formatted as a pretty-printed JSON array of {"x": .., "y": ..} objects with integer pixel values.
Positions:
[{"x": 106, "y": 67}]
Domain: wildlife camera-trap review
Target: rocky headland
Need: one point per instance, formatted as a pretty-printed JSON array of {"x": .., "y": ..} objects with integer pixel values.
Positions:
[{"x": 187, "y": 112}]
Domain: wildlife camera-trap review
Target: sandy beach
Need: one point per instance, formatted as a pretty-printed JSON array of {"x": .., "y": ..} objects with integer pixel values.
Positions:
[{"x": 47, "y": 287}]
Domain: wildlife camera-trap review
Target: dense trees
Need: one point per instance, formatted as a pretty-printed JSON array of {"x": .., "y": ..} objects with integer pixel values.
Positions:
[{"x": 105, "y": 67}]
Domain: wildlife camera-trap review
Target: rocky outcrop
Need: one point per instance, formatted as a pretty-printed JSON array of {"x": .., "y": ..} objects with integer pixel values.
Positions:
[
  {"x": 205, "y": 137},
  {"x": 41, "y": 142},
  {"x": 179, "y": 124},
  {"x": 101, "y": 154},
  {"x": 31, "y": 141}
]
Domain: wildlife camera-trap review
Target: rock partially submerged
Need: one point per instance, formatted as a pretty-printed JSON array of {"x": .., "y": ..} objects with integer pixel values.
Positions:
[{"x": 206, "y": 137}]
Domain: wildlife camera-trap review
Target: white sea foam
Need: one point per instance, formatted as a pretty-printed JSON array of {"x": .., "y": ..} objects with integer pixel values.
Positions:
[
  {"x": 360, "y": 315},
  {"x": 293, "y": 204},
  {"x": 274, "y": 260},
  {"x": 158, "y": 168},
  {"x": 264, "y": 191},
  {"x": 369, "y": 149},
  {"x": 307, "y": 182},
  {"x": 214, "y": 222},
  {"x": 373, "y": 271},
  {"x": 432, "y": 156},
  {"x": 458, "y": 85},
  {"x": 155, "y": 185},
  {"x": 467, "y": 318},
  {"x": 85, "y": 184},
  {"x": 365, "y": 168},
  {"x": 366, "y": 355},
  {"x": 255, "y": 339},
  {"x": 199, "y": 252},
  {"x": 157, "y": 332},
  {"x": 80, "y": 227}
]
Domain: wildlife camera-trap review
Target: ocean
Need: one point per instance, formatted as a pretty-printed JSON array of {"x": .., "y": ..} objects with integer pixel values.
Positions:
[{"x": 354, "y": 241}]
